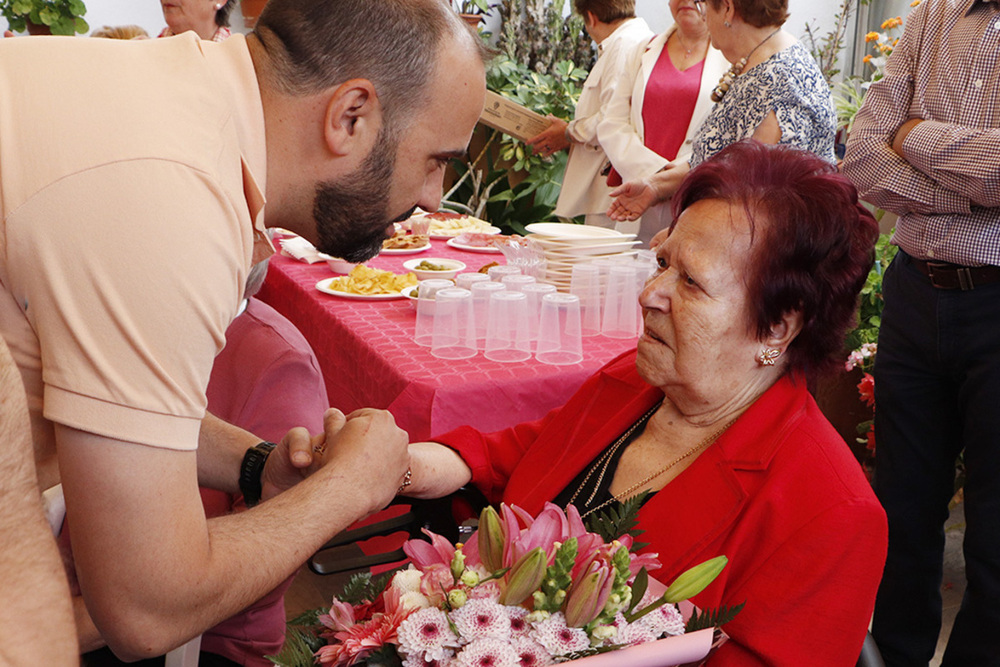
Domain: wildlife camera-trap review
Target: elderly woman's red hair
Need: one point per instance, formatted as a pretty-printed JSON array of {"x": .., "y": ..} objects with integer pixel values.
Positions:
[{"x": 813, "y": 242}]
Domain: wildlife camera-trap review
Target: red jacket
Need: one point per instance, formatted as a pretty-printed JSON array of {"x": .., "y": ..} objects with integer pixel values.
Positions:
[{"x": 779, "y": 493}]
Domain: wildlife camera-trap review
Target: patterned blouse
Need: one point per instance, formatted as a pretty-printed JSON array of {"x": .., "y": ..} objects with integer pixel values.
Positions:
[{"x": 788, "y": 83}]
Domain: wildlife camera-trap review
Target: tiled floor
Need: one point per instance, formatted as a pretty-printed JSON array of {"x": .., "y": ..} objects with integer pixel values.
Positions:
[{"x": 310, "y": 591}]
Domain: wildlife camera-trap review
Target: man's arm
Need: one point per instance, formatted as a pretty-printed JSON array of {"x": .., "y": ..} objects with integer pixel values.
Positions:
[
  {"x": 155, "y": 572},
  {"x": 36, "y": 620},
  {"x": 882, "y": 176}
]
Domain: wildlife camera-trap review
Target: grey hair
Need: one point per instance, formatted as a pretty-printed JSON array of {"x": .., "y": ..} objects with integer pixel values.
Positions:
[
  {"x": 314, "y": 45},
  {"x": 255, "y": 279}
]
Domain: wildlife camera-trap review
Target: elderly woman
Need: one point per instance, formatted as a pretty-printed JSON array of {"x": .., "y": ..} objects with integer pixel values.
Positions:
[
  {"x": 208, "y": 18},
  {"x": 774, "y": 92},
  {"x": 757, "y": 284}
]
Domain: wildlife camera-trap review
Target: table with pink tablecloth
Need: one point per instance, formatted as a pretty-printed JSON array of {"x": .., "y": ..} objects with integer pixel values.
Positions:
[{"x": 369, "y": 359}]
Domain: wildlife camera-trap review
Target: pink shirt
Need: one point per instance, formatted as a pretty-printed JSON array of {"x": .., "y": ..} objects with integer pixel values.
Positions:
[{"x": 669, "y": 104}]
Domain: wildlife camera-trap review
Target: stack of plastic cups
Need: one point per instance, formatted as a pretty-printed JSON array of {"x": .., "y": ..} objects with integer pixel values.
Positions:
[
  {"x": 454, "y": 332},
  {"x": 559, "y": 336},
  {"x": 481, "y": 292},
  {"x": 465, "y": 280},
  {"x": 507, "y": 327},
  {"x": 585, "y": 283},
  {"x": 516, "y": 282},
  {"x": 621, "y": 303},
  {"x": 424, "y": 332},
  {"x": 535, "y": 292},
  {"x": 498, "y": 272}
]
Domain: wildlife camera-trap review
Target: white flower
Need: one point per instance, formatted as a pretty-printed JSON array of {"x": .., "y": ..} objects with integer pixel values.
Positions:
[
  {"x": 408, "y": 580},
  {"x": 632, "y": 633},
  {"x": 530, "y": 653},
  {"x": 479, "y": 619},
  {"x": 487, "y": 652},
  {"x": 426, "y": 633},
  {"x": 664, "y": 621},
  {"x": 520, "y": 626},
  {"x": 417, "y": 660},
  {"x": 557, "y": 638},
  {"x": 414, "y": 600},
  {"x": 602, "y": 634}
]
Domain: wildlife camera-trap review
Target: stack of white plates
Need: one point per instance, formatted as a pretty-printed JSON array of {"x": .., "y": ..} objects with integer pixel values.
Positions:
[{"x": 566, "y": 244}]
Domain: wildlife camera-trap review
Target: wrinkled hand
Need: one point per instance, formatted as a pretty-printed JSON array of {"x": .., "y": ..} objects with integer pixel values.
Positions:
[
  {"x": 298, "y": 455},
  {"x": 632, "y": 199},
  {"x": 551, "y": 139}
]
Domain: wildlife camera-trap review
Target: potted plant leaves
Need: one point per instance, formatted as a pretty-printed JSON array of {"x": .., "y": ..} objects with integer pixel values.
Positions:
[{"x": 45, "y": 17}]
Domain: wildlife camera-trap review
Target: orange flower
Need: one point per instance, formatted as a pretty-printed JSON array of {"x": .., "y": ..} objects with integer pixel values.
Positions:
[
  {"x": 889, "y": 24},
  {"x": 866, "y": 59},
  {"x": 871, "y": 37},
  {"x": 914, "y": 3}
]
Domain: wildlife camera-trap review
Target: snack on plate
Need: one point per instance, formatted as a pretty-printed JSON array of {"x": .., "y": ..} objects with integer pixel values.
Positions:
[
  {"x": 486, "y": 267},
  {"x": 480, "y": 240},
  {"x": 405, "y": 241},
  {"x": 449, "y": 223},
  {"x": 431, "y": 266},
  {"x": 366, "y": 280}
]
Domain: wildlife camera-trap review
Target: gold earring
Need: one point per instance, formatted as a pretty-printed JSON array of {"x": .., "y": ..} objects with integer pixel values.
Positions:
[{"x": 767, "y": 356}]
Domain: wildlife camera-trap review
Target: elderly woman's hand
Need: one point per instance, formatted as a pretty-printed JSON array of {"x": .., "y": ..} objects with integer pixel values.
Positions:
[
  {"x": 632, "y": 199},
  {"x": 551, "y": 139}
]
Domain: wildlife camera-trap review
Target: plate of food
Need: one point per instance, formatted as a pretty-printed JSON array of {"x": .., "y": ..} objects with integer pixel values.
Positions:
[
  {"x": 476, "y": 242},
  {"x": 364, "y": 283},
  {"x": 449, "y": 224},
  {"x": 405, "y": 244}
]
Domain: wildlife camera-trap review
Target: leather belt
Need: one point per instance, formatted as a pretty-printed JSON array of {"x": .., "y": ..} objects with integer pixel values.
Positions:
[{"x": 944, "y": 275}]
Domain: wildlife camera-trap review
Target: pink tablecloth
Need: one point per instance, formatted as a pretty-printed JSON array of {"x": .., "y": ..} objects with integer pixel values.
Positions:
[{"x": 368, "y": 357}]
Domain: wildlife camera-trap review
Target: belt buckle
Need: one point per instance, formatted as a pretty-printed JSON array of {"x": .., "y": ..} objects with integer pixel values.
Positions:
[{"x": 962, "y": 274}]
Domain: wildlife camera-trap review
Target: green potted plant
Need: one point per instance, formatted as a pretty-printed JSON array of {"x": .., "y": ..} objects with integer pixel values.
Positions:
[
  {"x": 472, "y": 11},
  {"x": 45, "y": 17}
]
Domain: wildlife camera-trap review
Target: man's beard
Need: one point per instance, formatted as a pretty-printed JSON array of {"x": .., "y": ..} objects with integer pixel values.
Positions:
[{"x": 352, "y": 213}]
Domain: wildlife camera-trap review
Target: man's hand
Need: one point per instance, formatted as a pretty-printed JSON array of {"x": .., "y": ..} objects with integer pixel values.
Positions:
[
  {"x": 551, "y": 139},
  {"x": 904, "y": 129},
  {"x": 298, "y": 455}
]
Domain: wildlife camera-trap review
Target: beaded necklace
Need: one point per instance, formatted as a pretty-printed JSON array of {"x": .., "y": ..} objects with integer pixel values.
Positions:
[{"x": 727, "y": 79}]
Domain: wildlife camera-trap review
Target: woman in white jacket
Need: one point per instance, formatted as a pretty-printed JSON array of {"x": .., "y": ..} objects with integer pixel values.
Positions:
[{"x": 651, "y": 122}]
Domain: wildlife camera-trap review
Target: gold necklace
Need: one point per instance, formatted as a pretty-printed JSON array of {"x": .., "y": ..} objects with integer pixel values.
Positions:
[
  {"x": 727, "y": 79},
  {"x": 620, "y": 497}
]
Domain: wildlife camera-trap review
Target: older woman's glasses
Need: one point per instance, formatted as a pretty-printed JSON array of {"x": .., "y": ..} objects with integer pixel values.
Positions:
[{"x": 700, "y": 5}]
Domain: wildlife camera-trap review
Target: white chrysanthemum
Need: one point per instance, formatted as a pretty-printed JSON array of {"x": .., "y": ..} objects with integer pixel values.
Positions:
[
  {"x": 487, "y": 652},
  {"x": 417, "y": 660},
  {"x": 520, "y": 626},
  {"x": 480, "y": 619},
  {"x": 426, "y": 633},
  {"x": 407, "y": 580},
  {"x": 632, "y": 633},
  {"x": 530, "y": 653},
  {"x": 666, "y": 620},
  {"x": 557, "y": 638}
]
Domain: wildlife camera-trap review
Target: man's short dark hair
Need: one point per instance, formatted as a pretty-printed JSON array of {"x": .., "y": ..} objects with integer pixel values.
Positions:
[
  {"x": 317, "y": 44},
  {"x": 606, "y": 11}
]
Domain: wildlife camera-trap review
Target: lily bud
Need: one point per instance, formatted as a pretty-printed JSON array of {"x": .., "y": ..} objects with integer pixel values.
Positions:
[
  {"x": 695, "y": 580},
  {"x": 457, "y": 598},
  {"x": 458, "y": 564},
  {"x": 588, "y": 595},
  {"x": 525, "y": 577},
  {"x": 491, "y": 539},
  {"x": 470, "y": 578}
]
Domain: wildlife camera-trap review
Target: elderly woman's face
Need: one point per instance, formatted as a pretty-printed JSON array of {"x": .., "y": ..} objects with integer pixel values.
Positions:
[
  {"x": 184, "y": 15},
  {"x": 696, "y": 345}
]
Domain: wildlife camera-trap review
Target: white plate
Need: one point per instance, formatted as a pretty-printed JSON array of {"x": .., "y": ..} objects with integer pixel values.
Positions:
[
  {"x": 405, "y": 251},
  {"x": 569, "y": 231},
  {"x": 577, "y": 251},
  {"x": 324, "y": 286},
  {"x": 452, "y": 233},
  {"x": 473, "y": 248}
]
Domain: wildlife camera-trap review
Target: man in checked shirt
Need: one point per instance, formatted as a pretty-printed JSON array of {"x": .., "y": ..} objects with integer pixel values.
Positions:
[{"x": 926, "y": 145}]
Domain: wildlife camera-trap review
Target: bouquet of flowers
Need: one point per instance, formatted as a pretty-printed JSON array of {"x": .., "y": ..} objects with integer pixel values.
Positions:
[{"x": 523, "y": 591}]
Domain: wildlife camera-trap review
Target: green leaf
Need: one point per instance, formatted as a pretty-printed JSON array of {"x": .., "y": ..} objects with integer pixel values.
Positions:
[
  {"x": 48, "y": 15},
  {"x": 76, "y": 7},
  {"x": 710, "y": 618},
  {"x": 620, "y": 519},
  {"x": 296, "y": 652},
  {"x": 639, "y": 586}
]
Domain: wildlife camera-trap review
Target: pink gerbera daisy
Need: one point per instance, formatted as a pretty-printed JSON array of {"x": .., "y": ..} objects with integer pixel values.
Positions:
[
  {"x": 427, "y": 633},
  {"x": 487, "y": 652},
  {"x": 480, "y": 619}
]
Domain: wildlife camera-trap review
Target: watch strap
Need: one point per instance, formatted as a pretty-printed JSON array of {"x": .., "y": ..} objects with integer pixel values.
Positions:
[{"x": 251, "y": 471}]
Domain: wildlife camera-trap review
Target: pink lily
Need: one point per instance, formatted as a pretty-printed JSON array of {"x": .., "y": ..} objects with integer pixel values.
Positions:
[
  {"x": 589, "y": 594},
  {"x": 439, "y": 552}
]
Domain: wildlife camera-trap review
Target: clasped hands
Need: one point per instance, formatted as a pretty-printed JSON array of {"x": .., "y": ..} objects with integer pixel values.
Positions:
[{"x": 365, "y": 445}]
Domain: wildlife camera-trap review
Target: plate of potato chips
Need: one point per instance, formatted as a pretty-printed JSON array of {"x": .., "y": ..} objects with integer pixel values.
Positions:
[{"x": 367, "y": 284}]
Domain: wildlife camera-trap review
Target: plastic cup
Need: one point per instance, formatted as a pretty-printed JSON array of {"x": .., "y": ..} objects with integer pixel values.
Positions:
[
  {"x": 423, "y": 333},
  {"x": 507, "y": 327},
  {"x": 585, "y": 283},
  {"x": 498, "y": 272},
  {"x": 481, "y": 292},
  {"x": 517, "y": 281},
  {"x": 559, "y": 335},
  {"x": 454, "y": 333},
  {"x": 621, "y": 303},
  {"x": 535, "y": 292},
  {"x": 465, "y": 280}
]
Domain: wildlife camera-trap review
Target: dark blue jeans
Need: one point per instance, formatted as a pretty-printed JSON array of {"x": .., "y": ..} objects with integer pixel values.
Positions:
[{"x": 937, "y": 392}]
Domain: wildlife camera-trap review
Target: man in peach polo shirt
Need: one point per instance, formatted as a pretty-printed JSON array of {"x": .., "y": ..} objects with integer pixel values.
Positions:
[{"x": 133, "y": 177}]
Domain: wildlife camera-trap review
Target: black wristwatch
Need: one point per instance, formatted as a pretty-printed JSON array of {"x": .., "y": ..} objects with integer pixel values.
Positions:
[{"x": 251, "y": 470}]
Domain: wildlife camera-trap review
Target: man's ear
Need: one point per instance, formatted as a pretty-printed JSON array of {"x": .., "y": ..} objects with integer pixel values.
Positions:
[
  {"x": 353, "y": 118},
  {"x": 785, "y": 330}
]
